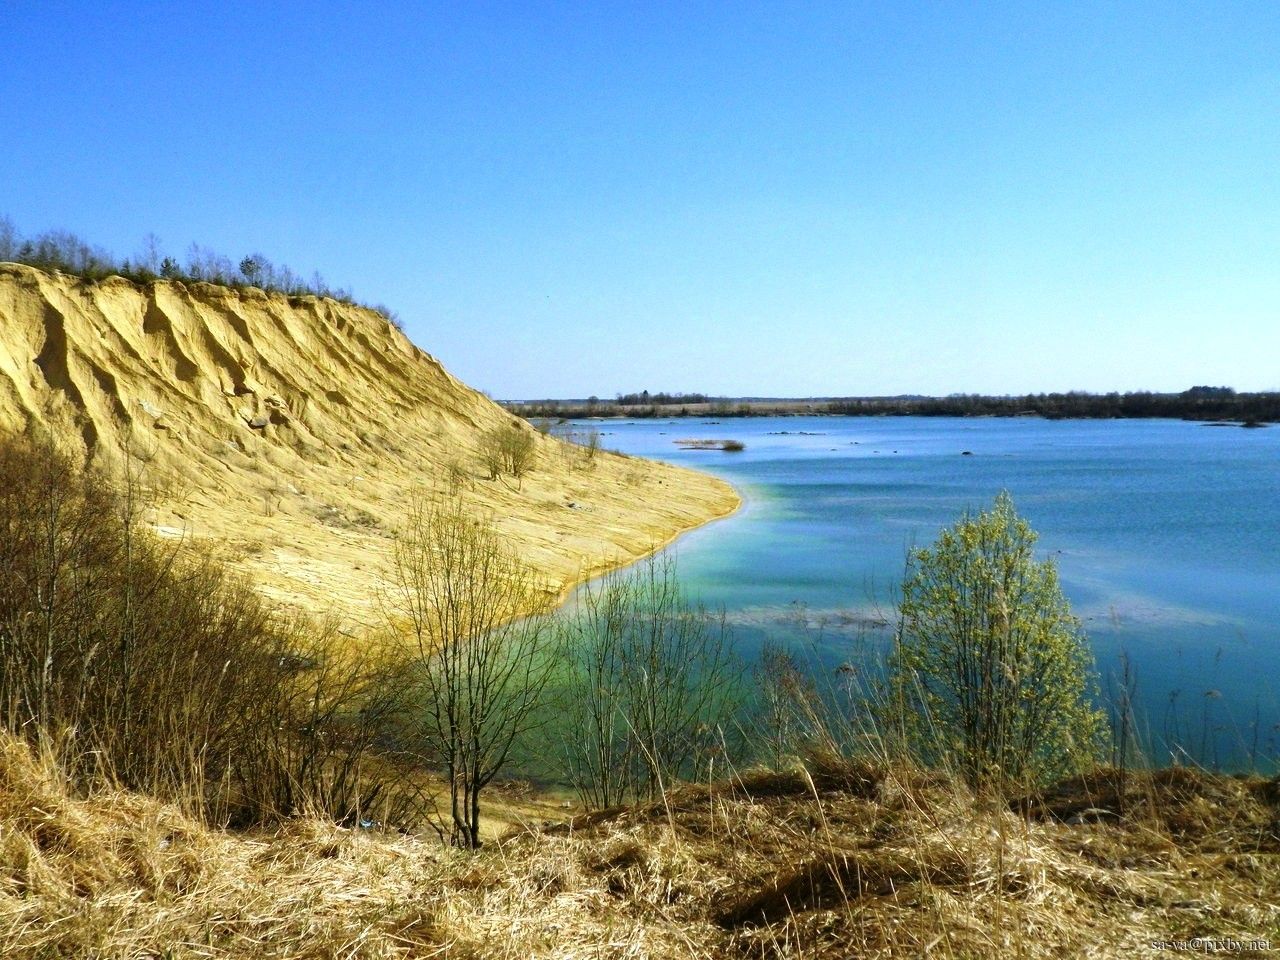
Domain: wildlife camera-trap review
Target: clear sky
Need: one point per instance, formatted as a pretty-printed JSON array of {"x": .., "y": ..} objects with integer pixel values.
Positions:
[{"x": 563, "y": 199}]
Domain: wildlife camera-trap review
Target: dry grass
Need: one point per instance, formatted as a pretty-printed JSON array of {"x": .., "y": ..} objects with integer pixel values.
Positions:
[{"x": 836, "y": 861}]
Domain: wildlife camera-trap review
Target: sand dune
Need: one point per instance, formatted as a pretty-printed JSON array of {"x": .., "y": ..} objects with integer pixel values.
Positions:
[{"x": 290, "y": 433}]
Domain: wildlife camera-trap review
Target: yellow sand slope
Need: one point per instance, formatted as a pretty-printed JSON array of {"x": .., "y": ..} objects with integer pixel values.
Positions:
[{"x": 292, "y": 431}]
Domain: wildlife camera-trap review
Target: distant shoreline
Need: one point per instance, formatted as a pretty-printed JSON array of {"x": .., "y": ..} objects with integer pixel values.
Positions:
[{"x": 1208, "y": 405}]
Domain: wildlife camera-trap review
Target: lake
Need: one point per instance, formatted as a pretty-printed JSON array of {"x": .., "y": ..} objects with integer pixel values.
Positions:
[{"x": 1165, "y": 534}]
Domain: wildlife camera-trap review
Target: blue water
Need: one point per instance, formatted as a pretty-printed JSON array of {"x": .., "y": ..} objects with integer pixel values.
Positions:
[{"x": 1165, "y": 532}]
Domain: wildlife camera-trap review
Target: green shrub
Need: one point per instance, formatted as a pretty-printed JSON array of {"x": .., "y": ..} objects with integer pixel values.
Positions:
[{"x": 990, "y": 673}]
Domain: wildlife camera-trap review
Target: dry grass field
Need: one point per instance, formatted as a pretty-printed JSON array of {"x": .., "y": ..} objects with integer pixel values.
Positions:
[{"x": 833, "y": 859}]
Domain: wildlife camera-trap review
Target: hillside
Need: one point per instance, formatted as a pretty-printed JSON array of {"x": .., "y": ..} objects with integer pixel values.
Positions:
[{"x": 292, "y": 431}]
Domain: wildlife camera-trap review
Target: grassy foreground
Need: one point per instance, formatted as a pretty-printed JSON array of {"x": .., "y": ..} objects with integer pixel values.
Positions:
[{"x": 835, "y": 859}]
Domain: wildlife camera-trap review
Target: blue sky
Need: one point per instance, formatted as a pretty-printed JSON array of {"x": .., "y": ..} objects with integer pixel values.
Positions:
[{"x": 769, "y": 199}]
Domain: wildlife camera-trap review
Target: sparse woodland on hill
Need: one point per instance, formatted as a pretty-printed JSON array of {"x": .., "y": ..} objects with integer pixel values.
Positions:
[{"x": 64, "y": 251}]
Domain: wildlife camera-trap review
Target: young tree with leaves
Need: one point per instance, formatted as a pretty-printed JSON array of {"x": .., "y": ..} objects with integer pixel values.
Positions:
[{"x": 990, "y": 672}]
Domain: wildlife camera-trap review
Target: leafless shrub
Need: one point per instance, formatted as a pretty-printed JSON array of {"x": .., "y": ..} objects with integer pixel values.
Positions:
[
  {"x": 457, "y": 478},
  {"x": 316, "y": 745},
  {"x": 461, "y": 601},
  {"x": 147, "y": 664},
  {"x": 786, "y": 696},
  {"x": 582, "y": 446},
  {"x": 589, "y": 440},
  {"x": 507, "y": 449},
  {"x": 651, "y": 685}
]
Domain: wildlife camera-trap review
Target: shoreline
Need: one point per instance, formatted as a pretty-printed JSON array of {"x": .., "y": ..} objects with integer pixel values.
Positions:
[
  {"x": 599, "y": 570},
  {"x": 1238, "y": 409}
]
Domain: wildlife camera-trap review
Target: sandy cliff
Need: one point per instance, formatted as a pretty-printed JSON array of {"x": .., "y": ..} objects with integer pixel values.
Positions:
[{"x": 291, "y": 431}]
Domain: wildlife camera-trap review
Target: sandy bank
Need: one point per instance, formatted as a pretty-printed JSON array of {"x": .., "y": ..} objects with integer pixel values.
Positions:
[{"x": 289, "y": 434}]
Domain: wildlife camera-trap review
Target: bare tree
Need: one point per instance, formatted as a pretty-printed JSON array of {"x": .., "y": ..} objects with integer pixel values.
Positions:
[
  {"x": 8, "y": 240},
  {"x": 463, "y": 602},
  {"x": 150, "y": 256}
]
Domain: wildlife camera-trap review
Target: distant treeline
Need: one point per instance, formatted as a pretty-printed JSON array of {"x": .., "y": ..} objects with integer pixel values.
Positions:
[
  {"x": 644, "y": 398},
  {"x": 1198, "y": 403},
  {"x": 626, "y": 405},
  {"x": 64, "y": 251}
]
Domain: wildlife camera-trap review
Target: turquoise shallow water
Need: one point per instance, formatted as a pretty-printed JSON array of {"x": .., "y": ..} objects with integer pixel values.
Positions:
[{"x": 1165, "y": 532}]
